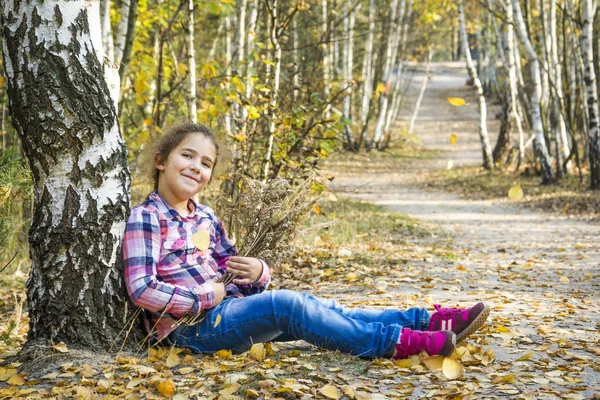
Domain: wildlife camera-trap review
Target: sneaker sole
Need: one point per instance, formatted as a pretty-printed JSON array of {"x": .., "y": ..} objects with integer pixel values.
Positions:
[{"x": 475, "y": 325}]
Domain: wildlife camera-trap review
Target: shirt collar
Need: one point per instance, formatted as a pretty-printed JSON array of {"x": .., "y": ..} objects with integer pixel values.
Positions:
[{"x": 166, "y": 209}]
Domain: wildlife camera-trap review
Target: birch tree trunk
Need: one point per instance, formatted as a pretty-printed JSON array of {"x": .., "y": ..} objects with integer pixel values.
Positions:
[
  {"x": 387, "y": 70},
  {"x": 503, "y": 144},
  {"x": 121, "y": 34},
  {"x": 367, "y": 90},
  {"x": 274, "y": 33},
  {"x": 128, "y": 44},
  {"x": 346, "y": 72},
  {"x": 541, "y": 149},
  {"x": 192, "y": 113},
  {"x": 413, "y": 119},
  {"x": 70, "y": 133},
  {"x": 559, "y": 125},
  {"x": 107, "y": 37},
  {"x": 326, "y": 50},
  {"x": 587, "y": 38},
  {"x": 488, "y": 161}
]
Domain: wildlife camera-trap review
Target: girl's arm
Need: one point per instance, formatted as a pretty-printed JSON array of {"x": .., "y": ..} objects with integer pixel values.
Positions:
[
  {"x": 141, "y": 250},
  {"x": 223, "y": 252}
]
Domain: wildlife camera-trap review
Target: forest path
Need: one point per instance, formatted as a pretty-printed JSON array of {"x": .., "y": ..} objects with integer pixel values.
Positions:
[{"x": 539, "y": 272}]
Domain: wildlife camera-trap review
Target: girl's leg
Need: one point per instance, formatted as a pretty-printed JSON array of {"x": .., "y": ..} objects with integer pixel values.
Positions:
[
  {"x": 268, "y": 316},
  {"x": 414, "y": 318}
]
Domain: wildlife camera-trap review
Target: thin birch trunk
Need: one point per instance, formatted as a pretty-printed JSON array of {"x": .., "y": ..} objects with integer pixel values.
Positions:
[
  {"x": 346, "y": 72},
  {"x": 367, "y": 76},
  {"x": 421, "y": 92},
  {"x": 273, "y": 14},
  {"x": 488, "y": 161},
  {"x": 296, "y": 57},
  {"x": 503, "y": 144},
  {"x": 107, "y": 37},
  {"x": 540, "y": 142},
  {"x": 399, "y": 68},
  {"x": 387, "y": 70},
  {"x": 192, "y": 114},
  {"x": 326, "y": 60},
  {"x": 562, "y": 141},
  {"x": 121, "y": 33},
  {"x": 128, "y": 43},
  {"x": 228, "y": 60},
  {"x": 252, "y": 31},
  {"x": 587, "y": 38}
]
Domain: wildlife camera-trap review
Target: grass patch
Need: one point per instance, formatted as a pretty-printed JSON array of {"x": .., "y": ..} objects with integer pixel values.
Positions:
[
  {"x": 349, "y": 223},
  {"x": 568, "y": 196}
]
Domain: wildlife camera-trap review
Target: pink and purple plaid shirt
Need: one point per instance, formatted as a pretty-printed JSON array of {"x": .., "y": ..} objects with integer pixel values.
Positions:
[{"x": 166, "y": 274}]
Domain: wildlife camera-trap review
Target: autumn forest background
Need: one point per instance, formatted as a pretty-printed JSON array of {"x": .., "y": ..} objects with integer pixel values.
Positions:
[{"x": 334, "y": 93}]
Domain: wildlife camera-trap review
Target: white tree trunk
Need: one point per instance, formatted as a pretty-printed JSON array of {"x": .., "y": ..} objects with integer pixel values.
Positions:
[
  {"x": 107, "y": 37},
  {"x": 70, "y": 133},
  {"x": 413, "y": 119},
  {"x": 587, "y": 38},
  {"x": 347, "y": 72},
  {"x": 228, "y": 60},
  {"x": 192, "y": 112},
  {"x": 387, "y": 69},
  {"x": 326, "y": 58},
  {"x": 540, "y": 142},
  {"x": 367, "y": 76},
  {"x": 560, "y": 127},
  {"x": 121, "y": 33},
  {"x": 488, "y": 162},
  {"x": 273, "y": 33}
]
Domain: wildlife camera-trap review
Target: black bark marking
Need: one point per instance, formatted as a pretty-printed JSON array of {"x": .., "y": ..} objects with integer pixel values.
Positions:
[{"x": 58, "y": 16}]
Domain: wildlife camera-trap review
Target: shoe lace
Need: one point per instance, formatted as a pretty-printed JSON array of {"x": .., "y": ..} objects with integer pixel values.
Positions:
[{"x": 446, "y": 312}]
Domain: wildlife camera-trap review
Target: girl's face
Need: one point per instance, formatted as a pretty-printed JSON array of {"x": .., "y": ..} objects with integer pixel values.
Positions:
[{"x": 186, "y": 170}]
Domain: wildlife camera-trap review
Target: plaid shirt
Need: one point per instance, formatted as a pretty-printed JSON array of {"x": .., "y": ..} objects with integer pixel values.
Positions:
[{"x": 166, "y": 274}]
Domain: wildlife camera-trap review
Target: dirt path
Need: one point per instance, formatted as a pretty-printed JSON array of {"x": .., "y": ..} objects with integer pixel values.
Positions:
[{"x": 540, "y": 272}]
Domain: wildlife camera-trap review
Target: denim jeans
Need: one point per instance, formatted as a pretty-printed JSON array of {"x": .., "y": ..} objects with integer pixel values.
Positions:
[{"x": 286, "y": 315}]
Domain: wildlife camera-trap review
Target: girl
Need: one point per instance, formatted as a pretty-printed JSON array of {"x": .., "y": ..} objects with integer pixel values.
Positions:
[{"x": 175, "y": 250}]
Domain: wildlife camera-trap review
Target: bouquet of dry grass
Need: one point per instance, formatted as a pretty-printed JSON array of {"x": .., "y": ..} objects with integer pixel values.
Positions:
[{"x": 266, "y": 217}]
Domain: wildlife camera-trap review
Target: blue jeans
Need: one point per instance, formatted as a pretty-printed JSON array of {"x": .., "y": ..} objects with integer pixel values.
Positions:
[{"x": 286, "y": 315}]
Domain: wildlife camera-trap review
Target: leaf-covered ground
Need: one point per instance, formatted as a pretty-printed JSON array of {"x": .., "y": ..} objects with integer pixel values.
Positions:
[{"x": 539, "y": 273}]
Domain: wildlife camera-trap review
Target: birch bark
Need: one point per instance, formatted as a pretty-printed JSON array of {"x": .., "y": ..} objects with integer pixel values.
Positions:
[
  {"x": 541, "y": 149},
  {"x": 488, "y": 161},
  {"x": 70, "y": 133},
  {"x": 192, "y": 113},
  {"x": 587, "y": 38}
]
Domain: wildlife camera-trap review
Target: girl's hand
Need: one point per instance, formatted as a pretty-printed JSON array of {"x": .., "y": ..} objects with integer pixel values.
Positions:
[
  {"x": 247, "y": 269},
  {"x": 219, "y": 290}
]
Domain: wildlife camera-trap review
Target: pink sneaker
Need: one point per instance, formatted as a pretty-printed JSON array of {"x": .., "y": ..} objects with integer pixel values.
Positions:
[
  {"x": 413, "y": 342},
  {"x": 462, "y": 321}
]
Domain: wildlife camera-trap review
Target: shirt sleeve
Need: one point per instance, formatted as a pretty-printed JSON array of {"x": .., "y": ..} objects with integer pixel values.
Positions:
[
  {"x": 224, "y": 248},
  {"x": 261, "y": 283},
  {"x": 141, "y": 250}
]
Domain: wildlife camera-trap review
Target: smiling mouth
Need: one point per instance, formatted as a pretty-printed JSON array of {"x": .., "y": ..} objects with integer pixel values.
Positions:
[{"x": 194, "y": 179}]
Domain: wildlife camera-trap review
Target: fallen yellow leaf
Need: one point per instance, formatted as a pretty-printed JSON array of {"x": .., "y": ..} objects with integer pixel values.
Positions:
[
  {"x": 452, "y": 369},
  {"x": 201, "y": 239},
  {"x": 330, "y": 391},
  {"x": 453, "y": 139},
  {"x": 6, "y": 373},
  {"x": 564, "y": 279},
  {"x": 433, "y": 363},
  {"x": 16, "y": 380},
  {"x": 456, "y": 101},
  {"x": 258, "y": 352},
  {"x": 173, "y": 360},
  {"x": 230, "y": 389},
  {"x": 525, "y": 357},
  {"x": 217, "y": 320},
  {"x": 515, "y": 193},
  {"x": 166, "y": 388},
  {"x": 61, "y": 347},
  {"x": 223, "y": 353}
]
